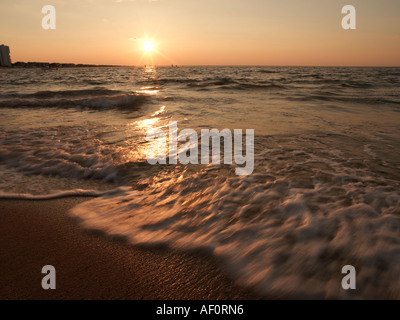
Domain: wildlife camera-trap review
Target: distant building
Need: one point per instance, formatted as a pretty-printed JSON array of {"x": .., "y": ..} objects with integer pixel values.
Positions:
[{"x": 5, "y": 60}]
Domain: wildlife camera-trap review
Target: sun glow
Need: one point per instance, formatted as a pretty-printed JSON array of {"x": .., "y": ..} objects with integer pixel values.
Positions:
[{"x": 148, "y": 46}]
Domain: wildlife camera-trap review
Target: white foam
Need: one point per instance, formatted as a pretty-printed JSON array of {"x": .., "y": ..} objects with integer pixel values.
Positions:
[
  {"x": 78, "y": 154},
  {"x": 281, "y": 240}
]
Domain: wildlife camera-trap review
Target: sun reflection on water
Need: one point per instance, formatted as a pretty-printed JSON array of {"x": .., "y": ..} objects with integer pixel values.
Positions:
[
  {"x": 162, "y": 109},
  {"x": 138, "y": 130},
  {"x": 149, "y": 90}
]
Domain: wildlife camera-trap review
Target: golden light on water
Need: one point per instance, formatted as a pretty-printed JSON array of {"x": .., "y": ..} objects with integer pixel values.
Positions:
[
  {"x": 148, "y": 90},
  {"x": 147, "y": 124},
  {"x": 162, "y": 109},
  {"x": 138, "y": 152}
]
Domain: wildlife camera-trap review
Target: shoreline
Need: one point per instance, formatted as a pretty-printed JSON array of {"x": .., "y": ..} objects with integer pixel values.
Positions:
[{"x": 91, "y": 265}]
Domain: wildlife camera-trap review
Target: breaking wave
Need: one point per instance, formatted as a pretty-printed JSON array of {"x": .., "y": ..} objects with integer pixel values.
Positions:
[
  {"x": 58, "y": 195},
  {"x": 98, "y": 99},
  {"x": 285, "y": 232}
]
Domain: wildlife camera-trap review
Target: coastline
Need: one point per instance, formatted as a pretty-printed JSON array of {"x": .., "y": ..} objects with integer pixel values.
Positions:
[{"x": 90, "y": 265}]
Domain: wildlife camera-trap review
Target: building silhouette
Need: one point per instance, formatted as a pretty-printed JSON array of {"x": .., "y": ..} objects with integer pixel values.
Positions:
[{"x": 5, "y": 60}]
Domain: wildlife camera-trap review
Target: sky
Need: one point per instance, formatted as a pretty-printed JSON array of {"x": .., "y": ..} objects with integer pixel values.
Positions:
[{"x": 203, "y": 32}]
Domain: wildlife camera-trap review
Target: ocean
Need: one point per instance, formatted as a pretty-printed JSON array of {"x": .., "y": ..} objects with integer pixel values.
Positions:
[{"x": 324, "y": 193}]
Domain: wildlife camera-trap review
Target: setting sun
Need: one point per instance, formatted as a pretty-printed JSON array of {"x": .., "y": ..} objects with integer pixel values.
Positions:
[{"x": 148, "y": 46}]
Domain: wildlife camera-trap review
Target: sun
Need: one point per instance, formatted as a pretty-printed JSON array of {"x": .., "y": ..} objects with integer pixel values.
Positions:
[{"x": 148, "y": 46}]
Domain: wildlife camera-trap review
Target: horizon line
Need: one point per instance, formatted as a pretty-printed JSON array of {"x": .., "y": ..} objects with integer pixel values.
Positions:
[{"x": 216, "y": 65}]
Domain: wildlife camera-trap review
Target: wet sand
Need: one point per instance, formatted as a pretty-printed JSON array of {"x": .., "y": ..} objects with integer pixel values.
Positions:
[{"x": 90, "y": 265}]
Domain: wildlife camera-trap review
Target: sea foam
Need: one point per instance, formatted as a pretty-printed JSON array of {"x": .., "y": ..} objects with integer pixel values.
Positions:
[{"x": 271, "y": 235}]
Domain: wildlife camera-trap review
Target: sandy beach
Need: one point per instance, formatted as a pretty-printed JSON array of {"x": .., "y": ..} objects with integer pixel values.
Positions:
[{"x": 90, "y": 265}]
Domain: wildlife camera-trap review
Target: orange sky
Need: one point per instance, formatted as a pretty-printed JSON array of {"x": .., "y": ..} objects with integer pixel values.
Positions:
[{"x": 203, "y": 32}]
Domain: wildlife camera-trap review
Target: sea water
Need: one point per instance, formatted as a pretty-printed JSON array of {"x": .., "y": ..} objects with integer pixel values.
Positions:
[{"x": 324, "y": 193}]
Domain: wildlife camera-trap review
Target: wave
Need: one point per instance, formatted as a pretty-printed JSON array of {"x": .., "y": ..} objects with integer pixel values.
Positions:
[
  {"x": 61, "y": 194},
  {"x": 332, "y": 97},
  {"x": 97, "y": 99},
  {"x": 162, "y": 81},
  {"x": 286, "y": 231},
  {"x": 269, "y": 71},
  {"x": 235, "y": 85},
  {"x": 75, "y": 153},
  {"x": 253, "y": 86},
  {"x": 65, "y": 93},
  {"x": 208, "y": 81}
]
